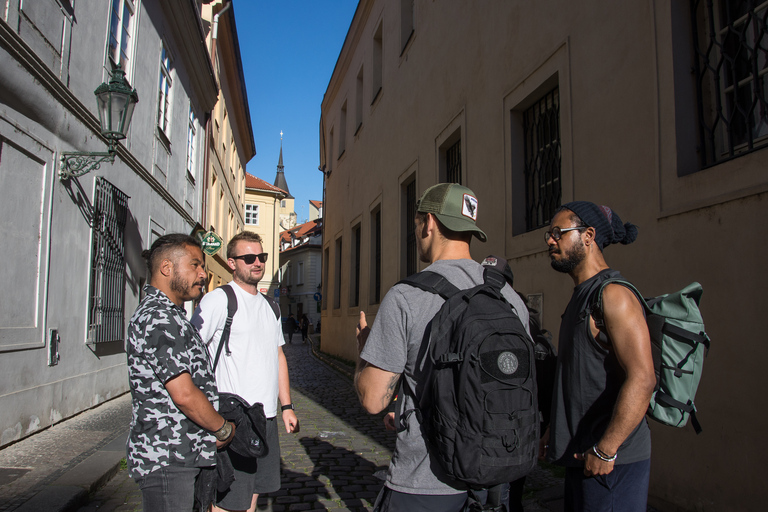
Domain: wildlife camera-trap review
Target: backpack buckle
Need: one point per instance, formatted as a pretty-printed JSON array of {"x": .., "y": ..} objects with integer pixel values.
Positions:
[{"x": 450, "y": 358}]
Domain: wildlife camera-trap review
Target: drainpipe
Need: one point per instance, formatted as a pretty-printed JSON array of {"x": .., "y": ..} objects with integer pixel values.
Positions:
[{"x": 215, "y": 32}]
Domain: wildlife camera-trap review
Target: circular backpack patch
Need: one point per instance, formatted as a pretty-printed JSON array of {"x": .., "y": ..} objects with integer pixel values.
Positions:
[{"x": 507, "y": 362}]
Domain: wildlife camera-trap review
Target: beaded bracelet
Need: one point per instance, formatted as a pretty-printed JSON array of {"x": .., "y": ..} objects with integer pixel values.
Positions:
[{"x": 602, "y": 456}]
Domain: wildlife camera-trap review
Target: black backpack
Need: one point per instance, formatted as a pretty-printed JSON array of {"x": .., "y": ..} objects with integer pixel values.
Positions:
[{"x": 479, "y": 408}]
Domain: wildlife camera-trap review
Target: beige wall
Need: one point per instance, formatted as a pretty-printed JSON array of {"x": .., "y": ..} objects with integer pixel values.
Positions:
[
  {"x": 472, "y": 67},
  {"x": 230, "y": 146},
  {"x": 269, "y": 230}
]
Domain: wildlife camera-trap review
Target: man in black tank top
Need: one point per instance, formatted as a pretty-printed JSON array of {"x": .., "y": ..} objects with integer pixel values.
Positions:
[{"x": 605, "y": 378}]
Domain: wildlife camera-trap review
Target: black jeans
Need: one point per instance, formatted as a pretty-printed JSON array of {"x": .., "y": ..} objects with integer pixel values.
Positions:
[{"x": 168, "y": 489}]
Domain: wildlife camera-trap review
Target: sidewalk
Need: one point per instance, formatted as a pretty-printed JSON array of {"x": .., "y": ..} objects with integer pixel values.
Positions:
[{"x": 336, "y": 462}]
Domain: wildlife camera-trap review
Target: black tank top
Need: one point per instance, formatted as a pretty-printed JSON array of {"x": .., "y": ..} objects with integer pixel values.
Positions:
[{"x": 587, "y": 383}]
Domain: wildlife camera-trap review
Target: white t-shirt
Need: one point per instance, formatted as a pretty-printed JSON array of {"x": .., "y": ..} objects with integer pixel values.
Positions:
[{"x": 251, "y": 370}]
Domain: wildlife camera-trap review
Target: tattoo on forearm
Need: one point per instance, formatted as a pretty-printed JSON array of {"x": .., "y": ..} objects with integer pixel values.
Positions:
[{"x": 391, "y": 390}]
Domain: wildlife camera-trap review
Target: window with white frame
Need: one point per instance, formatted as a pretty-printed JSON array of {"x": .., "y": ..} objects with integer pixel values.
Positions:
[
  {"x": 164, "y": 94},
  {"x": 252, "y": 214},
  {"x": 191, "y": 132},
  {"x": 120, "y": 33}
]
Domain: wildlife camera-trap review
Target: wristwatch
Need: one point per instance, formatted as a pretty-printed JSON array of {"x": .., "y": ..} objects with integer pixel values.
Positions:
[{"x": 286, "y": 407}]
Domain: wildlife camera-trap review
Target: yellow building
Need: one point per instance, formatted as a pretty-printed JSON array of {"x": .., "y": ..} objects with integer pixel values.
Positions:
[
  {"x": 657, "y": 109},
  {"x": 262, "y": 216},
  {"x": 229, "y": 141}
]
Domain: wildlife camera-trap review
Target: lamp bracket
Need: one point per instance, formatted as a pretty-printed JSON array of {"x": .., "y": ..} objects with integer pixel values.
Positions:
[{"x": 79, "y": 163}]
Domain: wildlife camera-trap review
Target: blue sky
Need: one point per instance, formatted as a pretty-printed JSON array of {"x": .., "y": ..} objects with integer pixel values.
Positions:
[{"x": 289, "y": 49}]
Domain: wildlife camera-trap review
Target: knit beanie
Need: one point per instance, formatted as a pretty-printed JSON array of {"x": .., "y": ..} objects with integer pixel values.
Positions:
[{"x": 608, "y": 226}]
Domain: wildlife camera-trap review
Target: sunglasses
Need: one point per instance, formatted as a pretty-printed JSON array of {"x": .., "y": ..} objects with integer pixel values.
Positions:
[
  {"x": 249, "y": 259},
  {"x": 557, "y": 233}
]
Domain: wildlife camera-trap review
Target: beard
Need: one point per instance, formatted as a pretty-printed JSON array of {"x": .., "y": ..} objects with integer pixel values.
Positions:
[
  {"x": 573, "y": 257},
  {"x": 245, "y": 276},
  {"x": 186, "y": 289}
]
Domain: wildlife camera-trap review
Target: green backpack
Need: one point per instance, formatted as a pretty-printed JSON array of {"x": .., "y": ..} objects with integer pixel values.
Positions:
[{"x": 679, "y": 346}]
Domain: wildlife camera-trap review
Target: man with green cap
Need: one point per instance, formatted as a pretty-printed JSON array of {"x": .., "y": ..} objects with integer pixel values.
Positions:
[{"x": 445, "y": 223}]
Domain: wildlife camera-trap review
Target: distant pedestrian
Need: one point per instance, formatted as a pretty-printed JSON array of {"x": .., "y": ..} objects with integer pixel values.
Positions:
[
  {"x": 175, "y": 429},
  {"x": 304, "y": 326},
  {"x": 290, "y": 327},
  {"x": 604, "y": 377}
]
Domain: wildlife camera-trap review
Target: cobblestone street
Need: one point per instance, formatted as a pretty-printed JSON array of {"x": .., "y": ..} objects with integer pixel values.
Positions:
[{"x": 336, "y": 462}]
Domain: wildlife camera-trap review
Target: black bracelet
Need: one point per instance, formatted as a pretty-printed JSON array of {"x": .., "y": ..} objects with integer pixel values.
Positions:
[{"x": 286, "y": 407}]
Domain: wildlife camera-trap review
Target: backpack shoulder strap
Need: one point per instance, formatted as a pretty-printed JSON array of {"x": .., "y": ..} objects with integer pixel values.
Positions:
[
  {"x": 231, "y": 310},
  {"x": 431, "y": 282},
  {"x": 273, "y": 304},
  {"x": 596, "y": 308}
]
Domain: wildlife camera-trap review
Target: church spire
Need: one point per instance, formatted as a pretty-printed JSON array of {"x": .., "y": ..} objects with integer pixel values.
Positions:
[{"x": 280, "y": 181}]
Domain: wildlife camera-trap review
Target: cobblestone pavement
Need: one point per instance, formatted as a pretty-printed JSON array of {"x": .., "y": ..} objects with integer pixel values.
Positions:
[
  {"x": 42, "y": 458},
  {"x": 337, "y": 460}
]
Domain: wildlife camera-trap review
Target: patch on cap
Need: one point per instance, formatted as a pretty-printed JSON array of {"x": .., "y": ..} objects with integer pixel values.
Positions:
[
  {"x": 469, "y": 207},
  {"x": 490, "y": 261}
]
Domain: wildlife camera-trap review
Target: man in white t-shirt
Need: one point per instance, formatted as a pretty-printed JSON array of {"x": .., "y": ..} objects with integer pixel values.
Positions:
[{"x": 254, "y": 366}]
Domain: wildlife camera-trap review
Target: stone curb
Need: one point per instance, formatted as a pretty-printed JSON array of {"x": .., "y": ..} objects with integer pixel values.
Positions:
[{"x": 71, "y": 491}]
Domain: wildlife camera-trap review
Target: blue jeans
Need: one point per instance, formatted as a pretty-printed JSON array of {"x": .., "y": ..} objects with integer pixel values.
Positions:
[
  {"x": 168, "y": 489},
  {"x": 625, "y": 489}
]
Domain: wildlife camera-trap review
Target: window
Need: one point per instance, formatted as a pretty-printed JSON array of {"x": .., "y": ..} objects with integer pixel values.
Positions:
[
  {"x": 120, "y": 31},
  {"x": 377, "y": 63},
  {"x": 731, "y": 67},
  {"x": 343, "y": 129},
  {"x": 283, "y": 203},
  {"x": 300, "y": 273},
  {"x": 163, "y": 100},
  {"x": 324, "y": 284},
  {"x": 409, "y": 213},
  {"x": 337, "y": 276},
  {"x": 453, "y": 163},
  {"x": 354, "y": 300},
  {"x": 376, "y": 256},
  {"x": 106, "y": 308},
  {"x": 359, "y": 102},
  {"x": 541, "y": 134},
  {"x": 191, "y": 143},
  {"x": 406, "y": 23},
  {"x": 252, "y": 214}
]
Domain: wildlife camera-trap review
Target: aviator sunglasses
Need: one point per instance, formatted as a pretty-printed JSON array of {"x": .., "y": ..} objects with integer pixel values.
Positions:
[{"x": 249, "y": 259}]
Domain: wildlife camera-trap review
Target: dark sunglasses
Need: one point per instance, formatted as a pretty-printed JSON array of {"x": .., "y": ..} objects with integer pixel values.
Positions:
[{"x": 249, "y": 259}]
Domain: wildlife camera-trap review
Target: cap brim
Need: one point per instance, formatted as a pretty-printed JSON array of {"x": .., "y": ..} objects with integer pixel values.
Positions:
[{"x": 461, "y": 226}]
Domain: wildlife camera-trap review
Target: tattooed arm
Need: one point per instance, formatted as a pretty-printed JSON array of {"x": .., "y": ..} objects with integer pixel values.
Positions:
[{"x": 375, "y": 387}]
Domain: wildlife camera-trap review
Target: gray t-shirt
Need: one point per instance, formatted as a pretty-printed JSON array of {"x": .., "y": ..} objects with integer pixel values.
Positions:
[{"x": 393, "y": 345}]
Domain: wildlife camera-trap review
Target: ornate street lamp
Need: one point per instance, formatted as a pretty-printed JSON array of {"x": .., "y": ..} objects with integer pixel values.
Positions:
[{"x": 116, "y": 101}]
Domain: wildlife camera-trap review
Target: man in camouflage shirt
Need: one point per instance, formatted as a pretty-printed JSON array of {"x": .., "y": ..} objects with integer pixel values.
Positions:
[{"x": 175, "y": 429}]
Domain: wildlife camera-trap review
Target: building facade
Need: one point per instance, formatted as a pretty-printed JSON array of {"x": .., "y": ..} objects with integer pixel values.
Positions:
[
  {"x": 229, "y": 138},
  {"x": 657, "y": 109},
  {"x": 262, "y": 216},
  {"x": 300, "y": 261},
  {"x": 74, "y": 269}
]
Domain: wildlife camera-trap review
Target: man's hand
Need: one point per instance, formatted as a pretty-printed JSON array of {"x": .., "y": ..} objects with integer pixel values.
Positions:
[
  {"x": 291, "y": 421},
  {"x": 223, "y": 444},
  {"x": 389, "y": 421},
  {"x": 544, "y": 444},
  {"x": 361, "y": 332},
  {"x": 593, "y": 465}
]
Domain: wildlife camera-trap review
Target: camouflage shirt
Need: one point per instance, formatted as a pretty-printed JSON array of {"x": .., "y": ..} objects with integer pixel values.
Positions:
[{"x": 161, "y": 345}]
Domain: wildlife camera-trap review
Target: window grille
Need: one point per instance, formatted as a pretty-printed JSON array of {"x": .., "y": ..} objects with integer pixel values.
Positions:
[
  {"x": 356, "y": 263},
  {"x": 731, "y": 66},
  {"x": 106, "y": 312},
  {"x": 541, "y": 130},
  {"x": 453, "y": 163},
  {"x": 410, "y": 229}
]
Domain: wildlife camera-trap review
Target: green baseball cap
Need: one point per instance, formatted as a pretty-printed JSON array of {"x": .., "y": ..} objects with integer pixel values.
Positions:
[{"x": 454, "y": 206}]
